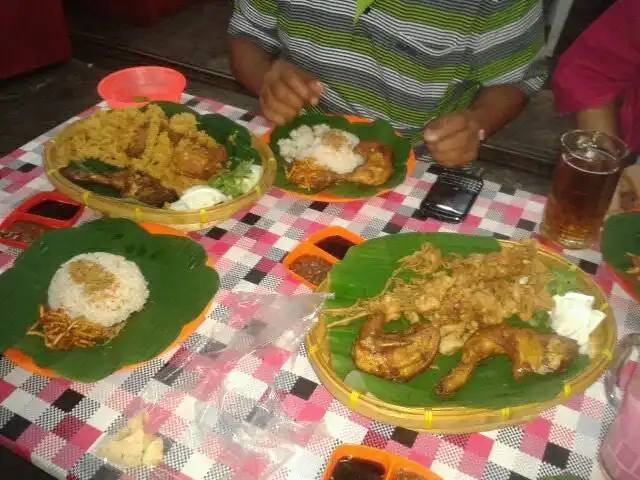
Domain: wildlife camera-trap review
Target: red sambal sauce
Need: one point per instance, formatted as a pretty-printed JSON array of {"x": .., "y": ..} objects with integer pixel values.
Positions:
[
  {"x": 23, "y": 231},
  {"x": 312, "y": 268}
]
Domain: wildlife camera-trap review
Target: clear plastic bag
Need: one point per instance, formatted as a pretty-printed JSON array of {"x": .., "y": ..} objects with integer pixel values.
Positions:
[{"x": 221, "y": 397}]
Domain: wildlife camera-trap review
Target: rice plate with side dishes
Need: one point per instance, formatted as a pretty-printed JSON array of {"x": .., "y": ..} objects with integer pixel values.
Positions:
[{"x": 163, "y": 155}]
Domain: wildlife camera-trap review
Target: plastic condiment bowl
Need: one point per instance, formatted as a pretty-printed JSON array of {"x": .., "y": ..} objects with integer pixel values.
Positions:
[{"x": 137, "y": 86}]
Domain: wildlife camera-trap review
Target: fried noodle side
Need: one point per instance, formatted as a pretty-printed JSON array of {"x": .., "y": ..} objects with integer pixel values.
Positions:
[
  {"x": 308, "y": 174},
  {"x": 459, "y": 295},
  {"x": 60, "y": 332}
]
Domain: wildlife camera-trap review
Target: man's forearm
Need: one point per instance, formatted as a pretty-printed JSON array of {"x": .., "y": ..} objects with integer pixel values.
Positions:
[
  {"x": 249, "y": 63},
  {"x": 495, "y": 106},
  {"x": 603, "y": 118}
]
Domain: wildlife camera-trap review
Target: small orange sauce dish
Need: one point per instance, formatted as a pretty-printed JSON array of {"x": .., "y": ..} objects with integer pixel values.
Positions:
[
  {"x": 374, "y": 464},
  {"x": 311, "y": 261}
]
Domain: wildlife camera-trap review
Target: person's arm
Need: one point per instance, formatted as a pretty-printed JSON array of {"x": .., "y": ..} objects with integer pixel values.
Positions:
[
  {"x": 496, "y": 106},
  {"x": 603, "y": 118},
  {"x": 249, "y": 63},
  {"x": 506, "y": 62},
  {"x": 596, "y": 69},
  {"x": 253, "y": 41}
]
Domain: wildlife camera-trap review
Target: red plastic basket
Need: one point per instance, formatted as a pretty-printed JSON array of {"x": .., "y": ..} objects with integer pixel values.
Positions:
[{"x": 136, "y": 86}]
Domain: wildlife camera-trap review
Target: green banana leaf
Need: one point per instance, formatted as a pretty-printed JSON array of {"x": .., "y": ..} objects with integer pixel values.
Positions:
[
  {"x": 180, "y": 286},
  {"x": 235, "y": 138},
  {"x": 93, "y": 165},
  {"x": 621, "y": 235},
  {"x": 363, "y": 273},
  {"x": 377, "y": 130}
]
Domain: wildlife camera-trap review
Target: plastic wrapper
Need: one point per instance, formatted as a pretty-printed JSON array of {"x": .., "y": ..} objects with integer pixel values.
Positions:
[{"x": 220, "y": 397}]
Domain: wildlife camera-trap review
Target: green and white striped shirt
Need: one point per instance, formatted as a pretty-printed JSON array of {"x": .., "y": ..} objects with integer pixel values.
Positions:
[{"x": 401, "y": 60}]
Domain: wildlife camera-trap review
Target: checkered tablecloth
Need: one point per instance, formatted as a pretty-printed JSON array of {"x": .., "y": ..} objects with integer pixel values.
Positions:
[{"x": 54, "y": 423}]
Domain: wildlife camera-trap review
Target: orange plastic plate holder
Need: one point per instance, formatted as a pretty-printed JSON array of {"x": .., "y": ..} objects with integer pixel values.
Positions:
[
  {"x": 391, "y": 462},
  {"x": 309, "y": 247},
  {"x": 306, "y": 249}
]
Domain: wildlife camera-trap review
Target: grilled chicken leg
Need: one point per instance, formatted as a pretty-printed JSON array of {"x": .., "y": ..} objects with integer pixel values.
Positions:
[
  {"x": 529, "y": 351},
  {"x": 397, "y": 356}
]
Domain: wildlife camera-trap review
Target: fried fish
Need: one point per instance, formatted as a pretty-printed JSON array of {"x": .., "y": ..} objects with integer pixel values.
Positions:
[{"x": 129, "y": 184}]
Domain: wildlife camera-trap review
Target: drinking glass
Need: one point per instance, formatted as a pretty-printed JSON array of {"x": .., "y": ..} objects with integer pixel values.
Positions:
[{"x": 586, "y": 175}]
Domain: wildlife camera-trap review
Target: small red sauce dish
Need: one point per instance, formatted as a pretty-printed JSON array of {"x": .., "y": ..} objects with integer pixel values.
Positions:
[
  {"x": 358, "y": 461},
  {"x": 38, "y": 214},
  {"x": 311, "y": 261}
]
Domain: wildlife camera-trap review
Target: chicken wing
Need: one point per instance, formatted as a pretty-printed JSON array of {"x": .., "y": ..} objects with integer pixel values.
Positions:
[
  {"x": 529, "y": 351},
  {"x": 398, "y": 356},
  {"x": 377, "y": 167}
]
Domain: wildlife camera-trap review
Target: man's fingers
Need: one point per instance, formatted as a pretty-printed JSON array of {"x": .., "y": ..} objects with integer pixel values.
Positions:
[
  {"x": 308, "y": 90},
  {"x": 288, "y": 104},
  {"x": 455, "y": 142},
  {"x": 281, "y": 93},
  {"x": 297, "y": 85},
  {"x": 275, "y": 111},
  {"x": 452, "y": 155},
  {"x": 316, "y": 87},
  {"x": 443, "y": 127},
  {"x": 454, "y": 159},
  {"x": 287, "y": 90}
]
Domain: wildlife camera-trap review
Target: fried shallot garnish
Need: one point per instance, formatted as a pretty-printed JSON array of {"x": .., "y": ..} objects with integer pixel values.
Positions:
[{"x": 60, "y": 332}]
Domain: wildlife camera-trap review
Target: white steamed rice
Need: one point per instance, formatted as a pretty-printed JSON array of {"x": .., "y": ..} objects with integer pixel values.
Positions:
[
  {"x": 306, "y": 141},
  {"x": 128, "y": 294}
]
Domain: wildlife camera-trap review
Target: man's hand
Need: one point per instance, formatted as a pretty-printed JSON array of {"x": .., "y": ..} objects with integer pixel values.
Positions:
[
  {"x": 286, "y": 90},
  {"x": 454, "y": 139}
]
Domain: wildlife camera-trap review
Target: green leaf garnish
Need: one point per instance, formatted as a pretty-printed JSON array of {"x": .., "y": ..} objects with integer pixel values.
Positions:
[
  {"x": 564, "y": 281},
  {"x": 230, "y": 182}
]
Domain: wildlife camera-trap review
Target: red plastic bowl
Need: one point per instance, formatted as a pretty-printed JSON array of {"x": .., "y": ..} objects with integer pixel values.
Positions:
[{"x": 137, "y": 86}]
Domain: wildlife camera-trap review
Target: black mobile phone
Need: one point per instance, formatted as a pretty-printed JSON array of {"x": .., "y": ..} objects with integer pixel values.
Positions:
[{"x": 451, "y": 196}]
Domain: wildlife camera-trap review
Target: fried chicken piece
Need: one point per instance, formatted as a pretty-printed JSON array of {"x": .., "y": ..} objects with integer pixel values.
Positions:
[
  {"x": 398, "y": 356},
  {"x": 201, "y": 161},
  {"x": 193, "y": 156},
  {"x": 377, "y": 167},
  {"x": 129, "y": 184},
  {"x": 529, "y": 351},
  {"x": 453, "y": 337}
]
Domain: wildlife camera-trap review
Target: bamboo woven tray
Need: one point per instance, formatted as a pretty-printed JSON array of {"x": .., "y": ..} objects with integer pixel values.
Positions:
[
  {"x": 462, "y": 419},
  {"x": 184, "y": 221}
]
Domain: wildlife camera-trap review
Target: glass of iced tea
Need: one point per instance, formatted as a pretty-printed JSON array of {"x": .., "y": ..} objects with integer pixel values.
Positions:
[{"x": 586, "y": 175}]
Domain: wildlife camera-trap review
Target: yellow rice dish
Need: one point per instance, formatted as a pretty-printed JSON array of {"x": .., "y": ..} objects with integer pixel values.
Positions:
[{"x": 171, "y": 150}]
